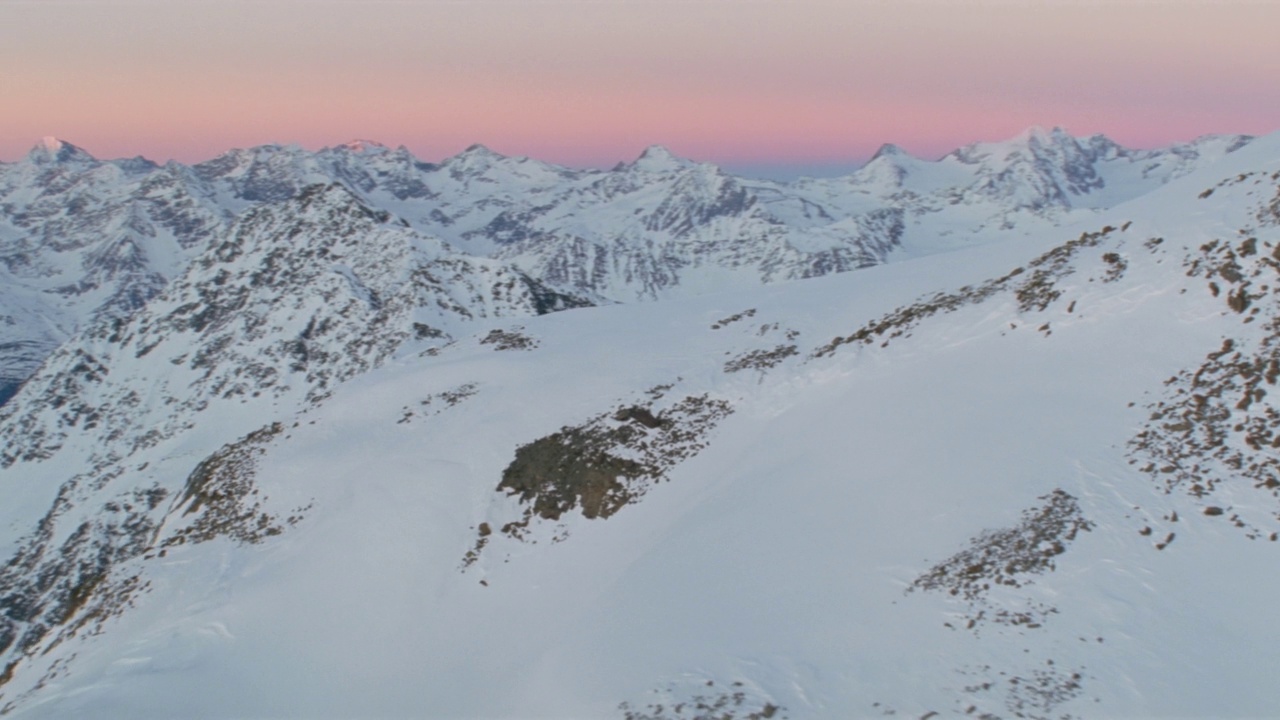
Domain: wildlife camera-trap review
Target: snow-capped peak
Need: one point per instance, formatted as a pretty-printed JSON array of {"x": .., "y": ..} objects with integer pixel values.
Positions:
[
  {"x": 1036, "y": 133},
  {"x": 889, "y": 150},
  {"x": 477, "y": 157},
  {"x": 885, "y": 168},
  {"x": 478, "y": 150},
  {"x": 1039, "y": 136},
  {"x": 657, "y": 158},
  {"x": 50, "y": 149},
  {"x": 362, "y": 146},
  {"x": 1028, "y": 141}
]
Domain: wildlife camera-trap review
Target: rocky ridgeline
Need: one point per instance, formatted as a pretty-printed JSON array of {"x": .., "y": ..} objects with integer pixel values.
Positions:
[
  {"x": 63, "y": 583},
  {"x": 220, "y": 497},
  {"x": 1033, "y": 289},
  {"x": 89, "y": 240},
  {"x": 761, "y": 359}
]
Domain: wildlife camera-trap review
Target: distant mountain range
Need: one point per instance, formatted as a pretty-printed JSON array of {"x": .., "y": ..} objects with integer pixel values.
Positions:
[
  {"x": 83, "y": 239},
  {"x": 346, "y": 434}
]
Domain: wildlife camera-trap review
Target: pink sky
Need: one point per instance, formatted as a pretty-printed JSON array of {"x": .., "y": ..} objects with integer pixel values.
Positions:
[{"x": 786, "y": 82}]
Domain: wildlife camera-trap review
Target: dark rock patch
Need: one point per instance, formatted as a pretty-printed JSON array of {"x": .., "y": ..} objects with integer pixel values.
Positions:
[
  {"x": 761, "y": 359},
  {"x": 509, "y": 340},
  {"x": 609, "y": 461},
  {"x": 748, "y": 313},
  {"x": 709, "y": 702},
  {"x": 1009, "y": 557}
]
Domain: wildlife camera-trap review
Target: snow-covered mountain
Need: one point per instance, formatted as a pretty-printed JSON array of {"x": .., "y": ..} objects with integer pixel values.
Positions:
[
  {"x": 340, "y": 467},
  {"x": 83, "y": 240}
]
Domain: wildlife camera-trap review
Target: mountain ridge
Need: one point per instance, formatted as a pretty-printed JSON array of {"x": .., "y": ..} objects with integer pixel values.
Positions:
[
  {"x": 84, "y": 238},
  {"x": 335, "y": 447}
]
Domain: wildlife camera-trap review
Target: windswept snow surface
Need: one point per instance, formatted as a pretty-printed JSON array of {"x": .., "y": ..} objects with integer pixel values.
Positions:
[{"x": 911, "y": 490}]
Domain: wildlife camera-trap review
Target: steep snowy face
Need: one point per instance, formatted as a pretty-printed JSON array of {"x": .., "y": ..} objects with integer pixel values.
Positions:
[
  {"x": 52, "y": 151},
  {"x": 261, "y": 174},
  {"x": 657, "y": 159},
  {"x": 888, "y": 168},
  {"x": 477, "y": 193},
  {"x": 378, "y": 172},
  {"x": 29, "y": 336},
  {"x": 1036, "y": 170},
  {"x": 83, "y": 240}
]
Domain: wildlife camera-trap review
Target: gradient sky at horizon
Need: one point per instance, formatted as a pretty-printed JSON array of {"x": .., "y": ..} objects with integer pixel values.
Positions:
[{"x": 745, "y": 83}]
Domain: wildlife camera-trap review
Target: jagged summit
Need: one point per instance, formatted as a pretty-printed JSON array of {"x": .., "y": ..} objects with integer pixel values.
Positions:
[
  {"x": 657, "y": 159},
  {"x": 136, "y": 164},
  {"x": 887, "y": 168},
  {"x": 240, "y": 158},
  {"x": 1031, "y": 140},
  {"x": 476, "y": 158},
  {"x": 889, "y": 150},
  {"x": 52, "y": 150},
  {"x": 657, "y": 153},
  {"x": 1038, "y": 133},
  {"x": 479, "y": 150},
  {"x": 362, "y": 146}
]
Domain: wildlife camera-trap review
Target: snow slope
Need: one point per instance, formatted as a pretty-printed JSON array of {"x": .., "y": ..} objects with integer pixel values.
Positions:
[{"x": 1030, "y": 478}]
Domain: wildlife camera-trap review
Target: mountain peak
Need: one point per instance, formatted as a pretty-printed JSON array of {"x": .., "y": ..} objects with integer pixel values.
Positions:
[
  {"x": 1034, "y": 132},
  {"x": 1037, "y": 134},
  {"x": 479, "y": 150},
  {"x": 657, "y": 158},
  {"x": 1031, "y": 141},
  {"x": 657, "y": 152},
  {"x": 475, "y": 157},
  {"x": 889, "y": 150},
  {"x": 361, "y": 146},
  {"x": 52, "y": 150}
]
